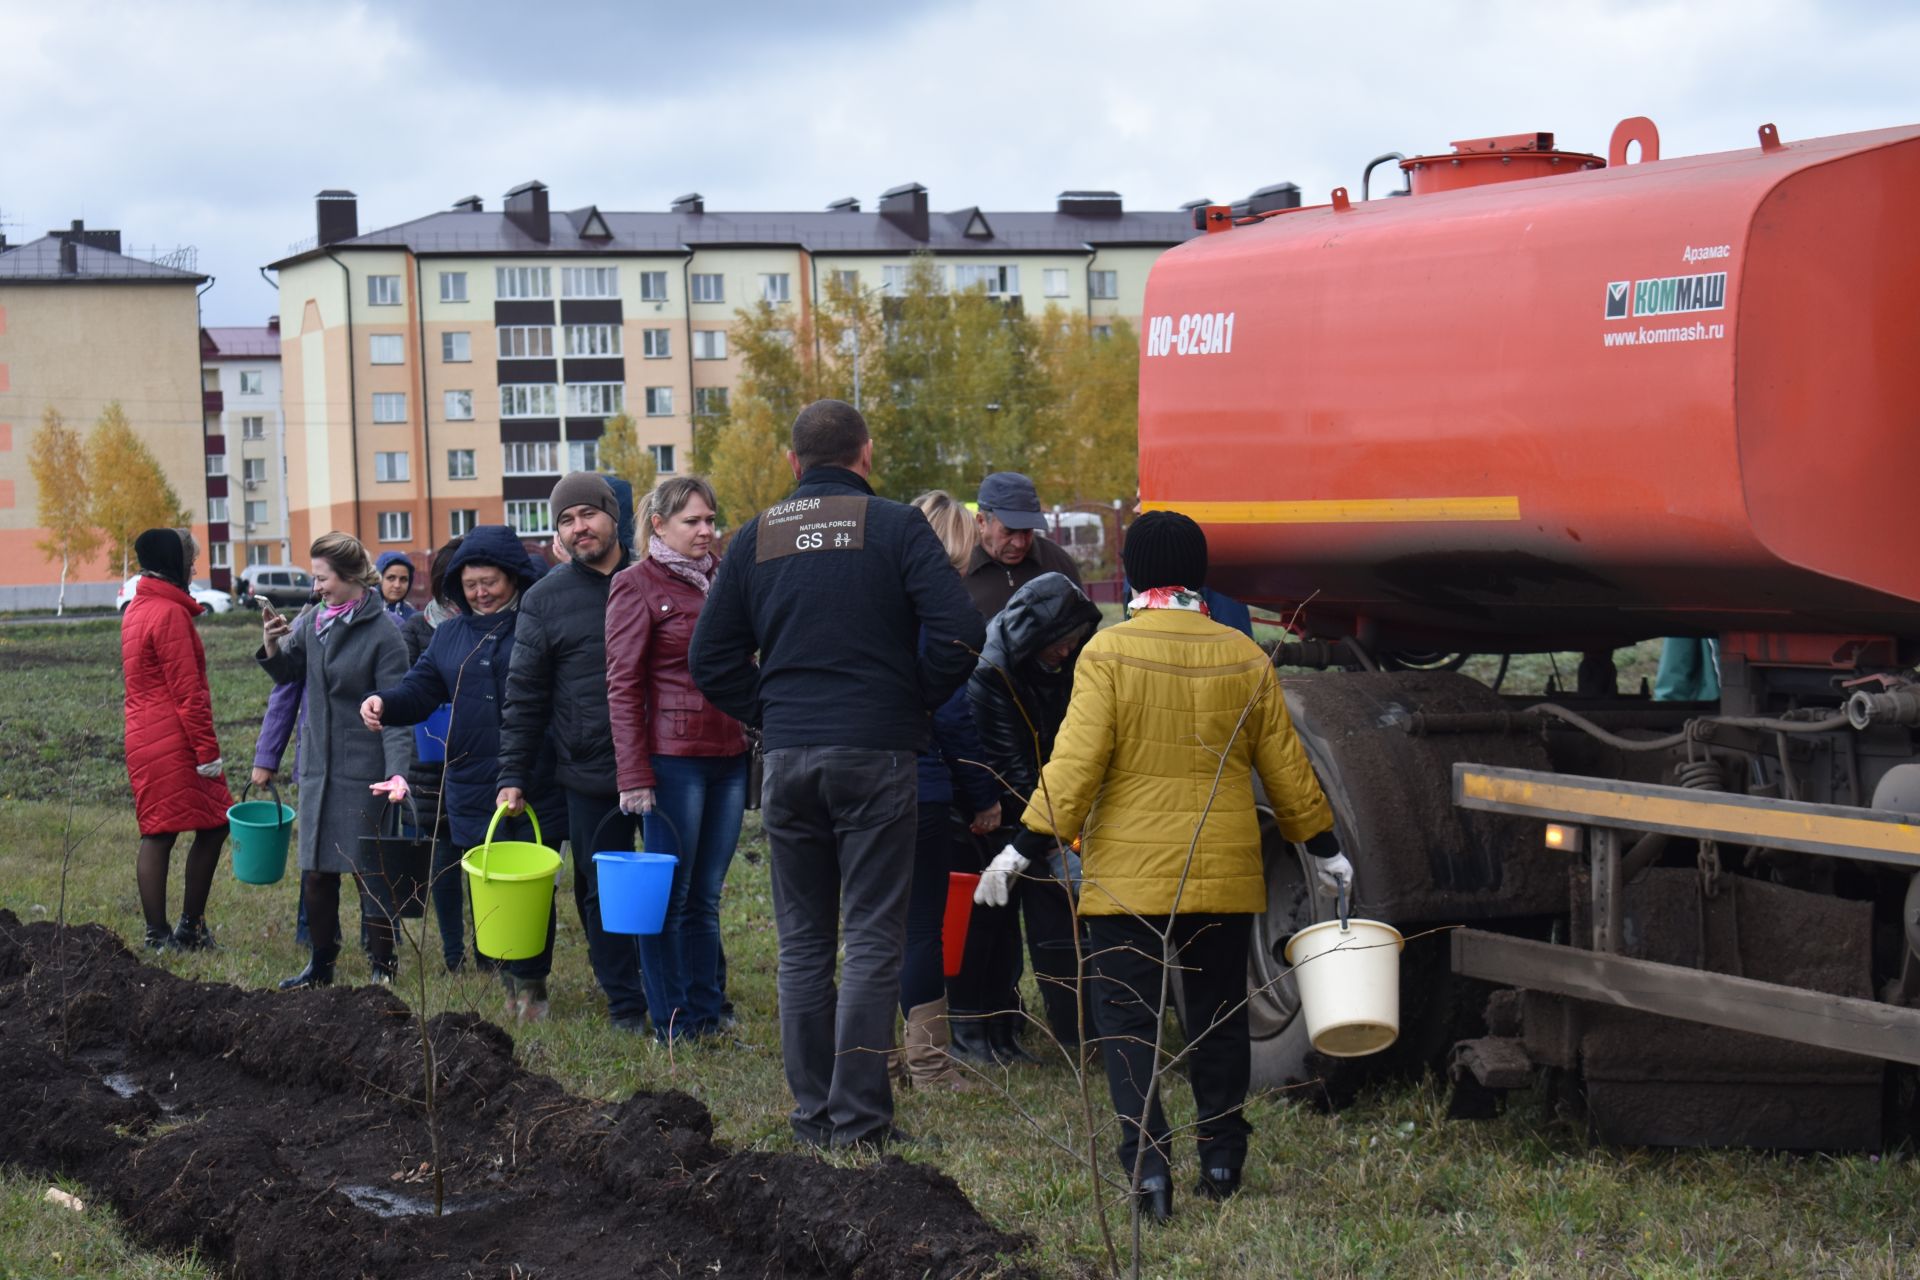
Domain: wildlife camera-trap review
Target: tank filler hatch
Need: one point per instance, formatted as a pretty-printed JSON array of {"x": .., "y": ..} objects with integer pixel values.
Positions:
[{"x": 1478, "y": 162}]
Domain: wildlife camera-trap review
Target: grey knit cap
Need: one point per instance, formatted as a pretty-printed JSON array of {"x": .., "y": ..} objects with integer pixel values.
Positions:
[{"x": 589, "y": 487}]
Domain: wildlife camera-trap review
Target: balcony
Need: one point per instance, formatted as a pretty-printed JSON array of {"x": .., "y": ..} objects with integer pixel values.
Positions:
[{"x": 212, "y": 402}]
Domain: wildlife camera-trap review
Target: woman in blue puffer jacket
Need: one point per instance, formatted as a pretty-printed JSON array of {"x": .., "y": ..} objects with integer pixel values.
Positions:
[{"x": 465, "y": 664}]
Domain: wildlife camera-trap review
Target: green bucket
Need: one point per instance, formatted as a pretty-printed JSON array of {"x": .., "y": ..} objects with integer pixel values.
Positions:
[
  {"x": 261, "y": 830},
  {"x": 512, "y": 886}
]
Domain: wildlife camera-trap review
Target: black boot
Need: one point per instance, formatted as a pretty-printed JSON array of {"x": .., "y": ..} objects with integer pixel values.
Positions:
[
  {"x": 159, "y": 939},
  {"x": 193, "y": 935},
  {"x": 970, "y": 1038},
  {"x": 318, "y": 973},
  {"x": 1003, "y": 1034},
  {"x": 1155, "y": 1198},
  {"x": 1217, "y": 1184},
  {"x": 383, "y": 973}
]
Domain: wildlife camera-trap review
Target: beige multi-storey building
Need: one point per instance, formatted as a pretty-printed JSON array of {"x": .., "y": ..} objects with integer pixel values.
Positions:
[
  {"x": 83, "y": 325},
  {"x": 246, "y": 430},
  {"x": 445, "y": 371}
]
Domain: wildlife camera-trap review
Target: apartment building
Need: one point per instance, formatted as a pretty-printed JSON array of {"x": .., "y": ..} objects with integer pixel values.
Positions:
[
  {"x": 445, "y": 371},
  {"x": 247, "y": 448},
  {"x": 83, "y": 325}
]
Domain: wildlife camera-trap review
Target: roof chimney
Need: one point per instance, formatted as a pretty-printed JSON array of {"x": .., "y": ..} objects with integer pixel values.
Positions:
[
  {"x": 845, "y": 204},
  {"x": 273, "y": 324},
  {"x": 526, "y": 208},
  {"x": 467, "y": 204},
  {"x": 1089, "y": 204},
  {"x": 78, "y": 232},
  {"x": 905, "y": 206},
  {"x": 1190, "y": 205},
  {"x": 1281, "y": 195},
  {"x": 337, "y": 214},
  {"x": 689, "y": 203},
  {"x": 69, "y": 256}
]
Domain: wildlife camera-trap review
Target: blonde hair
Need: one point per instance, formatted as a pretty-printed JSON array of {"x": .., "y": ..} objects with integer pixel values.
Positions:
[
  {"x": 668, "y": 499},
  {"x": 955, "y": 528},
  {"x": 347, "y": 555}
]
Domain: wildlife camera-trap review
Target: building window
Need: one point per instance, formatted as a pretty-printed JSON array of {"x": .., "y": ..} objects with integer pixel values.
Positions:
[
  {"x": 1103, "y": 284},
  {"x": 662, "y": 457},
  {"x": 656, "y": 344},
  {"x": 259, "y": 553},
  {"x": 252, "y": 382},
  {"x": 389, "y": 406},
  {"x": 216, "y": 510},
  {"x": 453, "y": 286},
  {"x": 256, "y": 514},
  {"x": 216, "y": 464},
  {"x": 220, "y": 555},
  {"x": 590, "y": 282},
  {"x": 1053, "y": 282},
  {"x": 460, "y": 464},
  {"x": 456, "y": 348},
  {"x": 1103, "y": 331},
  {"x": 893, "y": 281},
  {"x": 1001, "y": 281},
  {"x": 528, "y": 400},
  {"x": 653, "y": 286},
  {"x": 849, "y": 281},
  {"x": 709, "y": 287},
  {"x": 396, "y": 526},
  {"x": 390, "y": 467},
  {"x": 597, "y": 339},
  {"x": 387, "y": 348},
  {"x": 523, "y": 282},
  {"x": 532, "y": 458},
  {"x": 773, "y": 287},
  {"x": 460, "y": 522},
  {"x": 253, "y": 428},
  {"x": 709, "y": 402},
  {"x": 528, "y": 517},
  {"x": 583, "y": 455},
  {"x": 659, "y": 402},
  {"x": 595, "y": 399},
  {"x": 254, "y": 471},
  {"x": 526, "y": 342},
  {"x": 709, "y": 344},
  {"x": 383, "y": 291},
  {"x": 458, "y": 406}
]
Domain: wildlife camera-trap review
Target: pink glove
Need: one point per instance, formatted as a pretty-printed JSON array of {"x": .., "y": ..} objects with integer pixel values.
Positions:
[{"x": 394, "y": 789}]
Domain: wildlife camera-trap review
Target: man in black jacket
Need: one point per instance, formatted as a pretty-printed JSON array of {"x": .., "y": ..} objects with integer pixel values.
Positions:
[
  {"x": 833, "y": 587},
  {"x": 559, "y": 679},
  {"x": 1012, "y": 551}
]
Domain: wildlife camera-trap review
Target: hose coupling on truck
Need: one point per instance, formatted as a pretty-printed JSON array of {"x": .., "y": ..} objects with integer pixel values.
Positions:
[{"x": 1895, "y": 706}]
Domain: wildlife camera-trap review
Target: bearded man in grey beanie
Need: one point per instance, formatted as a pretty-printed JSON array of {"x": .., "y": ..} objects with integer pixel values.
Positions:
[{"x": 558, "y": 684}]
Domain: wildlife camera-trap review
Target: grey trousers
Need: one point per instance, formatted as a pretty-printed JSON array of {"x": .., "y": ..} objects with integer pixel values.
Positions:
[{"x": 840, "y": 823}]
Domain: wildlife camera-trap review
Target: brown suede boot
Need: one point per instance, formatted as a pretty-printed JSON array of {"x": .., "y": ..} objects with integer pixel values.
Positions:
[{"x": 929, "y": 1065}]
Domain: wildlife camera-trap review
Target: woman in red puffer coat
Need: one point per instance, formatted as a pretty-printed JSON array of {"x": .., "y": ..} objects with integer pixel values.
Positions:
[{"x": 173, "y": 758}]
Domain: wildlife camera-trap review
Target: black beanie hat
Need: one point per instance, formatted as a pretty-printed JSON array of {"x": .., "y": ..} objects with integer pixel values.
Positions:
[
  {"x": 1165, "y": 549},
  {"x": 162, "y": 553}
]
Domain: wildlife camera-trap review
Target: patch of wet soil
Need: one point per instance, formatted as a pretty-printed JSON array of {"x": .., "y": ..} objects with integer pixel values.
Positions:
[{"x": 284, "y": 1136}]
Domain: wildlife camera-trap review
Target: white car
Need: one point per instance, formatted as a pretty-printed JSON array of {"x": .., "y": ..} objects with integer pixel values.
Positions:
[{"x": 215, "y": 601}]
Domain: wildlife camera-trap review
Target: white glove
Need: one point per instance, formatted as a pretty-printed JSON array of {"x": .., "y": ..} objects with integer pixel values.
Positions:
[
  {"x": 212, "y": 769},
  {"x": 1330, "y": 873},
  {"x": 997, "y": 879}
]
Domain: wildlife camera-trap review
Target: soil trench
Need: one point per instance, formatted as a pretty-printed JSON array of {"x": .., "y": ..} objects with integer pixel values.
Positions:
[{"x": 285, "y": 1136}]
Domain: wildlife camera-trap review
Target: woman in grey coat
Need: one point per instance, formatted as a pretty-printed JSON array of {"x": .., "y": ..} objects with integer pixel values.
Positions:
[{"x": 343, "y": 649}]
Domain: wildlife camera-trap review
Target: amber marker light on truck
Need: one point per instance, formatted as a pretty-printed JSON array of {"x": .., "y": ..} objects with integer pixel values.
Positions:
[{"x": 1563, "y": 837}]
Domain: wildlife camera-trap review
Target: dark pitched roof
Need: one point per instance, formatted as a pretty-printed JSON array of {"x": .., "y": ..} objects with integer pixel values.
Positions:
[
  {"x": 463, "y": 232},
  {"x": 255, "y": 342},
  {"x": 40, "y": 260}
]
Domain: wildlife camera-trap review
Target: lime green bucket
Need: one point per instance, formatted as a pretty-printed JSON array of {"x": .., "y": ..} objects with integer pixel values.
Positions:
[
  {"x": 512, "y": 886},
  {"x": 261, "y": 830}
]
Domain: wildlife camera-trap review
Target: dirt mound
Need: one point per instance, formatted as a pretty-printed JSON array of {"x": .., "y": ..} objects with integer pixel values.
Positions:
[{"x": 285, "y": 1136}]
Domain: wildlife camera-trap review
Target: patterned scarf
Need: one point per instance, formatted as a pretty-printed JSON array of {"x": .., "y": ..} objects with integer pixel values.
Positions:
[
  {"x": 698, "y": 572},
  {"x": 1169, "y": 598},
  {"x": 325, "y": 616}
]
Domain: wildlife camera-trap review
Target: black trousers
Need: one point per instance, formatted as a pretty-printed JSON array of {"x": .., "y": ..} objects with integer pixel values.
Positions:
[{"x": 1211, "y": 968}]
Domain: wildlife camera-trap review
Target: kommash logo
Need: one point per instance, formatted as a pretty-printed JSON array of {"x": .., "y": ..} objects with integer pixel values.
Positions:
[{"x": 1667, "y": 295}]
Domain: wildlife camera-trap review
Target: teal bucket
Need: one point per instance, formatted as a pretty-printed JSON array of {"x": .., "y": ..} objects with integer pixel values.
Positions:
[
  {"x": 262, "y": 830},
  {"x": 634, "y": 887}
]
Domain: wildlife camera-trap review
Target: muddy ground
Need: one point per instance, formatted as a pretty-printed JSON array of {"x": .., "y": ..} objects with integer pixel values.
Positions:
[{"x": 285, "y": 1136}]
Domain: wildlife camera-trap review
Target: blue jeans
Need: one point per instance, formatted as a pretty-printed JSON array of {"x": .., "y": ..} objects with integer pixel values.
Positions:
[{"x": 704, "y": 798}]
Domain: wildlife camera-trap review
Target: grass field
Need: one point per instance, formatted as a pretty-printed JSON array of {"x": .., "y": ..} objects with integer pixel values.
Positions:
[{"x": 1389, "y": 1188}]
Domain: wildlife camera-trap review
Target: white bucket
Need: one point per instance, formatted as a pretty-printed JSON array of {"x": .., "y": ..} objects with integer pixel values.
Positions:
[{"x": 1349, "y": 984}]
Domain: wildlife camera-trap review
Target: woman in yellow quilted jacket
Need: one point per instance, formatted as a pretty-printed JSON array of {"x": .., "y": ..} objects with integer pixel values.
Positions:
[{"x": 1171, "y": 715}]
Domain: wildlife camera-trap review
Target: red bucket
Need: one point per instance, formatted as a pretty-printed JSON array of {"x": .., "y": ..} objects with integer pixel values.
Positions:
[{"x": 953, "y": 930}]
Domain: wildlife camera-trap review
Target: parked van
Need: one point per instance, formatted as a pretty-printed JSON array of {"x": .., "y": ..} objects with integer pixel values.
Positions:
[{"x": 276, "y": 583}]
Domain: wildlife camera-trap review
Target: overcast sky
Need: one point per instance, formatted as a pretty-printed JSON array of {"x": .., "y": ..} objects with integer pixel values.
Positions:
[{"x": 213, "y": 124}]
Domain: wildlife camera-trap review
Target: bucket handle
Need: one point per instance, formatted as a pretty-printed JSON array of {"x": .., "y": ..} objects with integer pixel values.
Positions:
[
  {"x": 617, "y": 812},
  {"x": 486, "y": 846},
  {"x": 413, "y": 810},
  {"x": 279, "y": 809},
  {"x": 1344, "y": 904}
]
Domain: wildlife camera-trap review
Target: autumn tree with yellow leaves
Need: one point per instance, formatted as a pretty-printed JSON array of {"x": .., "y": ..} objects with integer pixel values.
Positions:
[
  {"x": 128, "y": 493},
  {"x": 58, "y": 461}
]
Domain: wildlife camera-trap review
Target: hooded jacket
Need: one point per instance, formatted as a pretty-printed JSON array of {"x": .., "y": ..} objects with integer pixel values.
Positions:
[
  {"x": 402, "y": 610},
  {"x": 466, "y": 664},
  {"x": 169, "y": 713},
  {"x": 1043, "y": 612}
]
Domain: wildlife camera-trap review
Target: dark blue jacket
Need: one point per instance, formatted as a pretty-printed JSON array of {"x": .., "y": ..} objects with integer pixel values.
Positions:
[
  {"x": 955, "y": 740},
  {"x": 832, "y": 587},
  {"x": 466, "y": 664}
]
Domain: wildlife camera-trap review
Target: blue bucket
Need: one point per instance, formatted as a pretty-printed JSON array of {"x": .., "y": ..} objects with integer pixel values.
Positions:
[
  {"x": 634, "y": 888},
  {"x": 430, "y": 735}
]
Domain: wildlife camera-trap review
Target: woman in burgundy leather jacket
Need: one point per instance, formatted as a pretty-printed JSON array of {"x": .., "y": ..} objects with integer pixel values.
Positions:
[{"x": 677, "y": 754}]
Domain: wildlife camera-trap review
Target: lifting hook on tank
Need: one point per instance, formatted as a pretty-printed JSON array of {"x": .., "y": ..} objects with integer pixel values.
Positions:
[{"x": 1366, "y": 176}]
